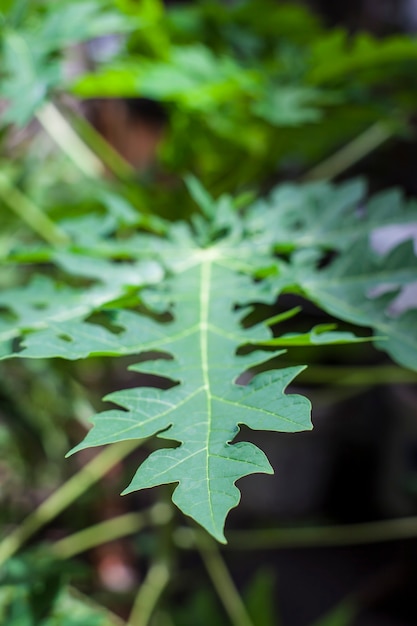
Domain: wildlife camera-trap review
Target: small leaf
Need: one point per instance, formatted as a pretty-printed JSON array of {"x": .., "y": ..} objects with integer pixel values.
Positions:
[
  {"x": 200, "y": 195},
  {"x": 323, "y": 334},
  {"x": 291, "y": 105}
]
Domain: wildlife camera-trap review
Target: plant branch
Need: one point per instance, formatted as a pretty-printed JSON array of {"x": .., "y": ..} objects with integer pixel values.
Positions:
[
  {"x": 29, "y": 213},
  {"x": 111, "y": 619},
  {"x": 309, "y": 536},
  {"x": 362, "y": 376},
  {"x": 64, "y": 496},
  {"x": 96, "y": 142},
  {"x": 345, "y": 535},
  {"x": 350, "y": 154},
  {"x": 149, "y": 593},
  {"x": 109, "y": 530},
  {"x": 70, "y": 143},
  {"x": 222, "y": 580}
]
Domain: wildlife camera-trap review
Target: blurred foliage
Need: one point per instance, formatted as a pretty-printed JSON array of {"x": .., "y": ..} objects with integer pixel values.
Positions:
[
  {"x": 33, "y": 35},
  {"x": 239, "y": 79},
  {"x": 254, "y": 92},
  {"x": 33, "y": 592}
]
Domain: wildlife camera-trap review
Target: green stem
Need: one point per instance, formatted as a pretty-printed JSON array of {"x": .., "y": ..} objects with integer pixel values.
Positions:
[
  {"x": 309, "y": 536},
  {"x": 64, "y": 496},
  {"x": 114, "y": 161},
  {"x": 110, "y": 530},
  {"x": 29, "y": 213},
  {"x": 70, "y": 143},
  {"x": 149, "y": 593},
  {"x": 350, "y": 154},
  {"x": 222, "y": 580},
  {"x": 372, "y": 375},
  {"x": 346, "y": 535},
  {"x": 107, "y": 615}
]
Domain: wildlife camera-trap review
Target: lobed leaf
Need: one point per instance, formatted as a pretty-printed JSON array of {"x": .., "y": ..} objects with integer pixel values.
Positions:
[
  {"x": 337, "y": 55},
  {"x": 204, "y": 409},
  {"x": 205, "y": 290},
  {"x": 51, "y": 311},
  {"x": 326, "y": 216},
  {"x": 362, "y": 288}
]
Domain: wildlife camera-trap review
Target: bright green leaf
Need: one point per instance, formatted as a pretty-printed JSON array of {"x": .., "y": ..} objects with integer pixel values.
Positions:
[{"x": 204, "y": 411}]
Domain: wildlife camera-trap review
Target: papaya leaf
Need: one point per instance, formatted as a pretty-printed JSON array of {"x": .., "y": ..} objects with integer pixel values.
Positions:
[
  {"x": 50, "y": 307},
  {"x": 193, "y": 77},
  {"x": 326, "y": 216},
  {"x": 362, "y": 288},
  {"x": 330, "y": 230},
  {"x": 33, "y": 590},
  {"x": 336, "y": 56},
  {"x": 289, "y": 105},
  {"x": 204, "y": 410},
  {"x": 183, "y": 303},
  {"x": 29, "y": 55},
  {"x": 320, "y": 335}
]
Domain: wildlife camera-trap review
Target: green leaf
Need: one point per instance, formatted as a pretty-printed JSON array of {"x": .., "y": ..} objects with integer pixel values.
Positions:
[
  {"x": 33, "y": 591},
  {"x": 194, "y": 78},
  {"x": 50, "y": 310},
  {"x": 204, "y": 411},
  {"x": 24, "y": 605},
  {"x": 290, "y": 105},
  {"x": 30, "y": 55},
  {"x": 362, "y": 288},
  {"x": 260, "y": 598},
  {"x": 200, "y": 195},
  {"x": 80, "y": 21},
  {"x": 321, "y": 335},
  {"x": 189, "y": 328},
  {"x": 26, "y": 73},
  {"x": 337, "y": 55},
  {"x": 326, "y": 216},
  {"x": 315, "y": 219}
]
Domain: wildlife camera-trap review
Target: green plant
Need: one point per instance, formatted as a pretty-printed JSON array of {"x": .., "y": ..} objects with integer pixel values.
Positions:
[
  {"x": 206, "y": 276},
  {"x": 193, "y": 299}
]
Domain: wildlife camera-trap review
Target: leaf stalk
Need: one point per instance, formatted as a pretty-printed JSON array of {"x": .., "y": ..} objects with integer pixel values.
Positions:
[
  {"x": 149, "y": 593},
  {"x": 64, "y": 496},
  {"x": 109, "y": 530},
  {"x": 55, "y": 124},
  {"x": 356, "y": 150},
  {"x": 222, "y": 580},
  {"x": 29, "y": 213}
]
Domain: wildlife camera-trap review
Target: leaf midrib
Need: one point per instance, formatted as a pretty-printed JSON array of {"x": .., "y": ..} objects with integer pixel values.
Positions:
[{"x": 204, "y": 328}]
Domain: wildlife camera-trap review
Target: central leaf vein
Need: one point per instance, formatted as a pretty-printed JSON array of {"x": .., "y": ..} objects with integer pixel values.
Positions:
[{"x": 204, "y": 315}]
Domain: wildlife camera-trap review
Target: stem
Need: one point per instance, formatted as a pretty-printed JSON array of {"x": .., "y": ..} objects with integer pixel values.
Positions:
[
  {"x": 64, "y": 496},
  {"x": 222, "y": 581},
  {"x": 372, "y": 375},
  {"x": 350, "y": 154},
  {"x": 309, "y": 536},
  {"x": 110, "y": 530},
  {"x": 70, "y": 143},
  {"x": 346, "y": 535},
  {"x": 149, "y": 593},
  {"x": 29, "y": 213},
  {"x": 111, "y": 619},
  {"x": 114, "y": 161}
]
